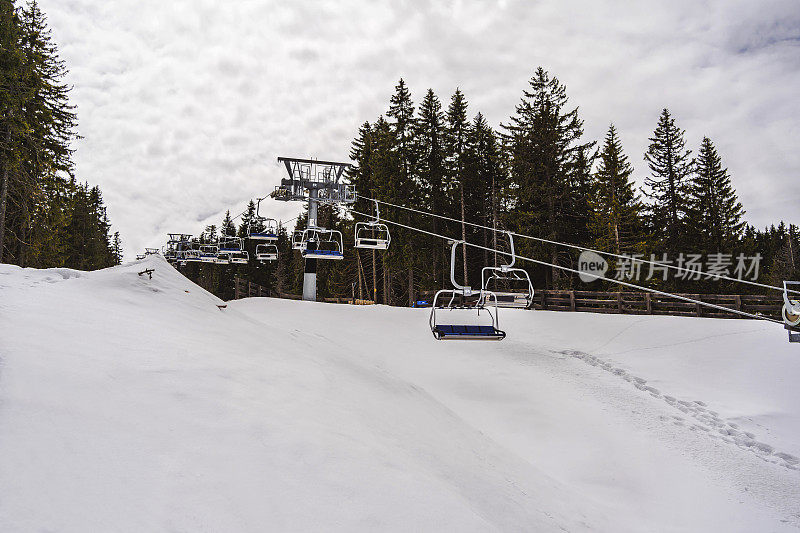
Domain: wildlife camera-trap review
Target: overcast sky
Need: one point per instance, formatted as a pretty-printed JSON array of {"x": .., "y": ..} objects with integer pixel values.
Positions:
[{"x": 184, "y": 105}]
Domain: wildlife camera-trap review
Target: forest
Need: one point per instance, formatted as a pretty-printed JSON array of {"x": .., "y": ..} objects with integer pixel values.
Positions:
[
  {"x": 537, "y": 175},
  {"x": 48, "y": 218}
]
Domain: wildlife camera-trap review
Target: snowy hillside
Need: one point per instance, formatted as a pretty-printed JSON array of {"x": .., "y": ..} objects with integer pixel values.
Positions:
[{"x": 130, "y": 404}]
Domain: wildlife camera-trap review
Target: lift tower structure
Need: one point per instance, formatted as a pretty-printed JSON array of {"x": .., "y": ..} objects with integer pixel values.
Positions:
[{"x": 314, "y": 182}]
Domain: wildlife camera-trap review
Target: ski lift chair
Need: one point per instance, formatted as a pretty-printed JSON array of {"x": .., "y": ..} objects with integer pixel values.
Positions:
[
  {"x": 460, "y": 330},
  {"x": 208, "y": 253},
  {"x": 269, "y": 233},
  {"x": 151, "y": 251},
  {"x": 266, "y": 252},
  {"x": 509, "y": 276},
  {"x": 241, "y": 257},
  {"x": 321, "y": 243},
  {"x": 791, "y": 311},
  {"x": 373, "y": 234},
  {"x": 191, "y": 255},
  {"x": 297, "y": 239}
]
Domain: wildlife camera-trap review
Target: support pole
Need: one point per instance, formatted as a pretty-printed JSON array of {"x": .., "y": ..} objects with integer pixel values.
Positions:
[{"x": 310, "y": 270}]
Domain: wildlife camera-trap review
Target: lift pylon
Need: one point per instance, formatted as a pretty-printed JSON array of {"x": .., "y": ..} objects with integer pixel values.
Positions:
[{"x": 313, "y": 181}]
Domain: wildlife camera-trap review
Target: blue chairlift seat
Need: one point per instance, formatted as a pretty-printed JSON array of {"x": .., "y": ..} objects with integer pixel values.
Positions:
[
  {"x": 448, "y": 331},
  {"x": 264, "y": 236},
  {"x": 334, "y": 254}
]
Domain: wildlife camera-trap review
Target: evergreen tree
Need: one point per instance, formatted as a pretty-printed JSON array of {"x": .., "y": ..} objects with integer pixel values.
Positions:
[
  {"x": 228, "y": 228},
  {"x": 715, "y": 215},
  {"x": 13, "y": 96},
  {"x": 668, "y": 183},
  {"x": 616, "y": 225},
  {"x": 457, "y": 131},
  {"x": 116, "y": 248},
  {"x": 430, "y": 140},
  {"x": 484, "y": 180},
  {"x": 544, "y": 149}
]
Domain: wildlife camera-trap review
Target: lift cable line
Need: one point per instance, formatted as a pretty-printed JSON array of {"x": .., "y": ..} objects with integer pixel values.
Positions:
[
  {"x": 582, "y": 248},
  {"x": 567, "y": 269}
]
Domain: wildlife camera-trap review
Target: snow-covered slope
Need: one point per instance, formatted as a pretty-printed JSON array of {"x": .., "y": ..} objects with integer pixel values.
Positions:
[{"x": 130, "y": 404}]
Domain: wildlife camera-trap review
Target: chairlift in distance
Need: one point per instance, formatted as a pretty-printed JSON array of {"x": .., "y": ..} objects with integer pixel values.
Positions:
[
  {"x": 297, "y": 239},
  {"x": 208, "y": 253},
  {"x": 373, "y": 234},
  {"x": 510, "y": 275},
  {"x": 459, "y": 330},
  {"x": 232, "y": 249},
  {"x": 321, "y": 243},
  {"x": 791, "y": 311},
  {"x": 271, "y": 226},
  {"x": 269, "y": 233},
  {"x": 152, "y": 251},
  {"x": 266, "y": 252},
  {"x": 191, "y": 255}
]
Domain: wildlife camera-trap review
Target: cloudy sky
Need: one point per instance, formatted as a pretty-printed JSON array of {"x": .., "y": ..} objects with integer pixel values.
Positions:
[{"x": 184, "y": 105}]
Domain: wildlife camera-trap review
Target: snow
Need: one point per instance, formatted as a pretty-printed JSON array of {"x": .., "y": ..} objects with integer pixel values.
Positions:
[{"x": 131, "y": 404}]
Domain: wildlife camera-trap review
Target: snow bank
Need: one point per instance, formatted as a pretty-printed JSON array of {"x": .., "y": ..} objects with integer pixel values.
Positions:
[{"x": 130, "y": 404}]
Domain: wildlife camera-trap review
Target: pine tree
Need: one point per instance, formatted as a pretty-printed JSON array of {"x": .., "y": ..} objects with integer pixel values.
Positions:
[
  {"x": 403, "y": 182},
  {"x": 668, "y": 183},
  {"x": 457, "y": 131},
  {"x": 715, "y": 215},
  {"x": 13, "y": 95},
  {"x": 430, "y": 141},
  {"x": 616, "y": 224},
  {"x": 484, "y": 181},
  {"x": 116, "y": 248},
  {"x": 228, "y": 228},
  {"x": 544, "y": 149}
]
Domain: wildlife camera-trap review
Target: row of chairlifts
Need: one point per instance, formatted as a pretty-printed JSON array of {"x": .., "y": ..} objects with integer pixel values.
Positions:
[
  {"x": 266, "y": 232},
  {"x": 462, "y": 299}
]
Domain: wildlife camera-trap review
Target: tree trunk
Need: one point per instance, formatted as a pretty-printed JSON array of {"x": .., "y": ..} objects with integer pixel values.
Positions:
[
  {"x": 551, "y": 215},
  {"x": 3, "y": 203},
  {"x": 385, "y": 282},
  {"x": 494, "y": 220},
  {"x": 464, "y": 236},
  {"x": 410, "y": 286},
  {"x": 4, "y": 176},
  {"x": 360, "y": 275},
  {"x": 374, "y": 277}
]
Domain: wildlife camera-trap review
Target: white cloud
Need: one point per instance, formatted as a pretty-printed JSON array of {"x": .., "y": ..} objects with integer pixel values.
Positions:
[{"x": 185, "y": 105}]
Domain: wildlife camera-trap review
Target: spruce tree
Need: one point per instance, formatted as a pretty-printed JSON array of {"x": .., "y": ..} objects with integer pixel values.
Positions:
[
  {"x": 457, "y": 131},
  {"x": 430, "y": 141},
  {"x": 616, "y": 223},
  {"x": 668, "y": 185},
  {"x": 13, "y": 95},
  {"x": 402, "y": 180},
  {"x": 116, "y": 248},
  {"x": 715, "y": 215},
  {"x": 543, "y": 140},
  {"x": 484, "y": 181},
  {"x": 228, "y": 228}
]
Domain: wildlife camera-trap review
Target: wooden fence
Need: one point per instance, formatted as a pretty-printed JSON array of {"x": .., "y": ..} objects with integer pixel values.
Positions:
[
  {"x": 631, "y": 303},
  {"x": 645, "y": 303}
]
